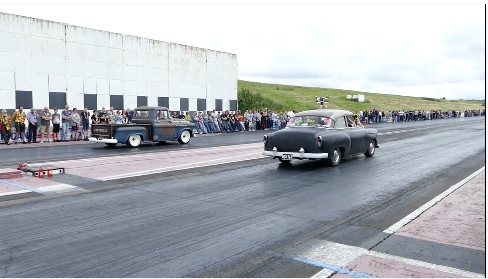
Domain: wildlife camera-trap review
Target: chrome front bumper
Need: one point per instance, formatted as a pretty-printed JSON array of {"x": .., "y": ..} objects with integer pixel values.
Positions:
[
  {"x": 113, "y": 141},
  {"x": 296, "y": 155}
]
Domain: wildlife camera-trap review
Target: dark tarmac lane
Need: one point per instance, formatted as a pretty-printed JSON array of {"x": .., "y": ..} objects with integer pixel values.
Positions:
[{"x": 234, "y": 220}]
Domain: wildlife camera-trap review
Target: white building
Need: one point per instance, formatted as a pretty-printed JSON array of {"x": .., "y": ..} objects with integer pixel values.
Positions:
[{"x": 45, "y": 63}]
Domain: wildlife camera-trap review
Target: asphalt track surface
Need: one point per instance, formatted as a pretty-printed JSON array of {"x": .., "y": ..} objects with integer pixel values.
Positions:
[{"x": 241, "y": 219}]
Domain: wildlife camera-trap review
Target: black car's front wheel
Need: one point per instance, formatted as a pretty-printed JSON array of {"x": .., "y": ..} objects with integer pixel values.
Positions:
[
  {"x": 371, "y": 149},
  {"x": 334, "y": 157}
]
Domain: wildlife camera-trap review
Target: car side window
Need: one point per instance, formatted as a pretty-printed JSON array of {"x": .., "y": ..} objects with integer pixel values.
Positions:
[
  {"x": 340, "y": 123},
  {"x": 162, "y": 114},
  {"x": 350, "y": 121}
]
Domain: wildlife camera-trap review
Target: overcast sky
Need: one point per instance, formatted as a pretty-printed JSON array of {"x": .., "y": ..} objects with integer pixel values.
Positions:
[{"x": 428, "y": 50}]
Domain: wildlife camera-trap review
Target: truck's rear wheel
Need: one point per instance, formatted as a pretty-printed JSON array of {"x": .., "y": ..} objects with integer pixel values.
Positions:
[
  {"x": 184, "y": 137},
  {"x": 134, "y": 141}
]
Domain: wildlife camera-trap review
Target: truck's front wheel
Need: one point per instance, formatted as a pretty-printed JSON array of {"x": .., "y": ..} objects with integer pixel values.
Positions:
[
  {"x": 134, "y": 141},
  {"x": 184, "y": 137}
]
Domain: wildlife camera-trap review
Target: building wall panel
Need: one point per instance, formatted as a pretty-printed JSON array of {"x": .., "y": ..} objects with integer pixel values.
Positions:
[
  {"x": 116, "y": 87},
  {"x": 103, "y": 101},
  {"x": 57, "y": 83},
  {"x": 89, "y": 85},
  {"x": 23, "y": 81},
  {"x": 75, "y": 85},
  {"x": 192, "y": 104},
  {"x": 130, "y": 101},
  {"x": 40, "y": 99},
  {"x": 103, "y": 86},
  {"x": 76, "y": 100},
  {"x": 8, "y": 98},
  {"x": 174, "y": 104},
  {"x": 7, "y": 81},
  {"x": 6, "y": 61},
  {"x": 40, "y": 82},
  {"x": 152, "y": 100}
]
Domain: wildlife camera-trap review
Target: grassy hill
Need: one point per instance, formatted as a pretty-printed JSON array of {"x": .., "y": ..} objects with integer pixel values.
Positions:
[{"x": 283, "y": 97}]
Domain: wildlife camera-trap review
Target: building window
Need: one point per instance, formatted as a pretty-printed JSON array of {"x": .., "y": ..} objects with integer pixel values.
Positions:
[
  {"x": 233, "y": 105},
  {"x": 218, "y": 104},
  {"x": 23, "y": 99},
  {"x": 90, "y": 101},
  {"x": 57, "y": 100},
  {"x": 117, "y": 102},
  {"x": 163, "y": 102},
  {"x": 184, "y": 104},
  {"x": 141, "y": 101},
  {"x": 201, "y": 104}
]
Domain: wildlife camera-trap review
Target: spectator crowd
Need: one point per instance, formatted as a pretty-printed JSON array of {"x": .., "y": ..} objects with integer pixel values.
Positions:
[{"x": 74, "y": 125}]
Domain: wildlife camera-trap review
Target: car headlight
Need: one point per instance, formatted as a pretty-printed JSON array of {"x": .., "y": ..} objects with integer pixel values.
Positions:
[
  {"x": 319, "y": 141},
  {"x": 265, "y": 139}
]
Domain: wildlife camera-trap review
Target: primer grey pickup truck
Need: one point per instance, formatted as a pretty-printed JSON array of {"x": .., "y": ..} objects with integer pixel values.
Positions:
[{"x": 150, "y": 124}]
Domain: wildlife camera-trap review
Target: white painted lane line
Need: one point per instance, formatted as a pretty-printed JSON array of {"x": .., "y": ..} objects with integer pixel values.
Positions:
[
  {"x": 436, "y": 267},
  {"x": 146, "y": 156},
  {"x": 213, "y": 162},
  {"x": 14, "y": 193},
  {"x": 60, "y": 188},
  {"x": 398, "y": 225}
]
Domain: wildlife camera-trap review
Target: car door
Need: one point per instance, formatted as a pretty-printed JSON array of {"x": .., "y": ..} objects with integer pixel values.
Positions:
[
  {"x": 164, "y": 128},
  {"x": 357, "y": 135}
]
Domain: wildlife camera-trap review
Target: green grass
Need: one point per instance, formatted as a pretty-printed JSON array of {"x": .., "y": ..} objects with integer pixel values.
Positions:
[{"x": 301, "y": 98}]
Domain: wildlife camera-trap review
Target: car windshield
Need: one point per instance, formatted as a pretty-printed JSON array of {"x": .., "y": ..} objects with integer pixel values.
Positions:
[{"x": 311, "y": 121}]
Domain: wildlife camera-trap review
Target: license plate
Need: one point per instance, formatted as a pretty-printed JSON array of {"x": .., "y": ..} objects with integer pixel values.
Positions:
[{"x": 286, "y": 157}]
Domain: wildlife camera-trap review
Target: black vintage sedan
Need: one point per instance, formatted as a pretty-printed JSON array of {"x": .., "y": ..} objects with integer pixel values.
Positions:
[{"x": 327, "y": 134}]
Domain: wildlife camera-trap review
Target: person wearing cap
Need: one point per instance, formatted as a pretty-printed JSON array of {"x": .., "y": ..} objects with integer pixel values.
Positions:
[
  {"x": 6, "y": 126},
  {"x": 32, "y": 118}
]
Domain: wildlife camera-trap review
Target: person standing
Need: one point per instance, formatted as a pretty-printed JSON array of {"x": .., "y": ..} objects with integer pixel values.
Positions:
[
  {"x": 6, "y": 126},
  {"x": 66, "y": 116},
  {"x": 95, "y": 118},
  {"x": 85, "y": 122},
  {"x": 45, "y": 124},
  {"x": 19, "y": 117},
  {"x": 32, "y": 118},
  {"x": 75, "y": 121},
  {"x": 104, "y": 116},
  {"x": 56, "y": 118}
]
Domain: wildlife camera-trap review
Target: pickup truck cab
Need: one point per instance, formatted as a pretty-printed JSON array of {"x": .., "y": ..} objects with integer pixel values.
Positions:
[{"x": 149, "y": 124}]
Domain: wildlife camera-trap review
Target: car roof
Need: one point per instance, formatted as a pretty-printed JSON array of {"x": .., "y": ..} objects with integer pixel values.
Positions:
[{"x": 331, "y": 113}]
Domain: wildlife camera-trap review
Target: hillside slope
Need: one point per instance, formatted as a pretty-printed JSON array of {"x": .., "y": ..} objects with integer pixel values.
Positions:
[{"x": 299, "y": 98}]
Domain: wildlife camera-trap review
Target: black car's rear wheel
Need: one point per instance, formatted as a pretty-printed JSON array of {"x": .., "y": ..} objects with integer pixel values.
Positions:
[
  {"x": 334, "y": 157},
  {"x": 371, "y": 149}
]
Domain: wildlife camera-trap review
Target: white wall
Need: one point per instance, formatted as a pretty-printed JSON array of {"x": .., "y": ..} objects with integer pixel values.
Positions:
[{"x": 43, "y": 56}]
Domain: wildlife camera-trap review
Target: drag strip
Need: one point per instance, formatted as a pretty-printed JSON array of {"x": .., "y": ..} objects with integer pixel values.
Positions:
[{"x": 237, "y": 219}]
